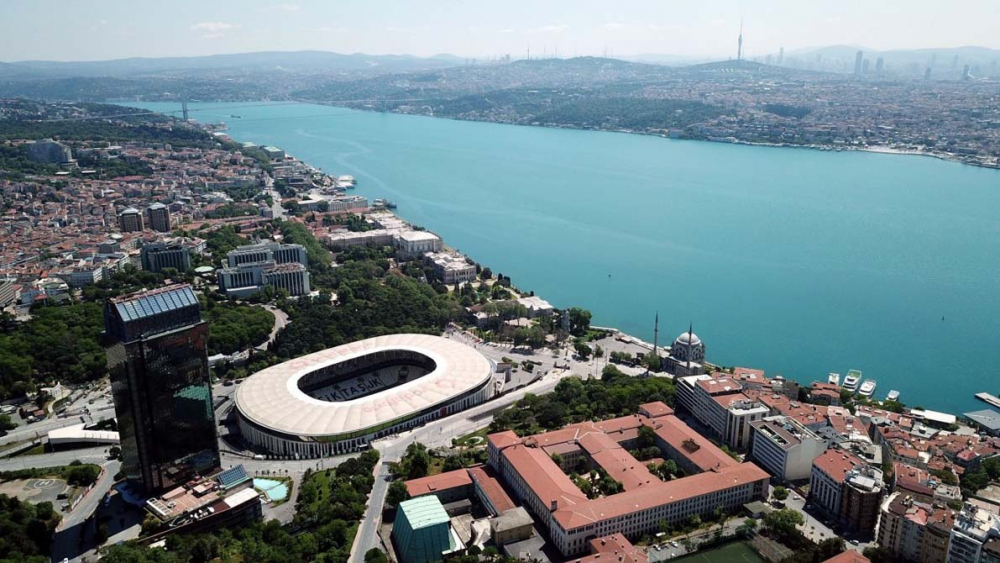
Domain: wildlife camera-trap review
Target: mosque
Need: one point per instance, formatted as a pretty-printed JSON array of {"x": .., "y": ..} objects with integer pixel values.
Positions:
[{"x": 687, "y": 355}]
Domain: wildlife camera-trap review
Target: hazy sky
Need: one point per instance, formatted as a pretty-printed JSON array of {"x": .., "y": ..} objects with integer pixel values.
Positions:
[{"x": 93, "y": 29}]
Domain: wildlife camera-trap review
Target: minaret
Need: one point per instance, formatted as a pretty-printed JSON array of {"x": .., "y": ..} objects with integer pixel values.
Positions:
[
  {"x": 739, "y": 48},
  {"x": 656, "y": 331}
]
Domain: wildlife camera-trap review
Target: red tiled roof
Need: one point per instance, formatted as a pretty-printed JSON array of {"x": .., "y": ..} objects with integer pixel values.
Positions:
[
  {"x": 437, "y": 483},
  {"x": 849, "y": 556},
  {"x": 692, "y": 445},
  {"x": 836, "y": 463},
  {"x": 614, "y": 548},
  {"x": 659, "y": 494},
  {"x": 490, "y": 486}
]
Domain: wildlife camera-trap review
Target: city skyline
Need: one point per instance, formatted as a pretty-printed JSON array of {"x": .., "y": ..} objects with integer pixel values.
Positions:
[{"x": 83, "y": 31}]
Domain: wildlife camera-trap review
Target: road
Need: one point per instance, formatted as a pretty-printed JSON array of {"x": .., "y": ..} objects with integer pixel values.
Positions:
[
  {"x": 367, "y": 536},
  {"x": 67, "y": 541},
  {"x": 280, "y": 320},
  {"x": 277, "y": 210},
  {"x": 55, "y": 459}
]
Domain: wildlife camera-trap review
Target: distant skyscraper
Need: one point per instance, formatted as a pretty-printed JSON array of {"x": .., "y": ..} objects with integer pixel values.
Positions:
[
  {"x": 879, "y": 65},
  {"x": 156, "y": 345},
  {"x": 859, "y": 60},
  {"x": 865, "y": 66},
  {"x": 158, "y": 218},
  {"x": 739, "y": 45},
  {"x": 965, "y": 73},
  {"x": 781, "y": 56}
]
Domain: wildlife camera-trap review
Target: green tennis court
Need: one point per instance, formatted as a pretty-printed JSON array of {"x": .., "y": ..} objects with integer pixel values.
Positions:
[{"x": 737, "y": 552}]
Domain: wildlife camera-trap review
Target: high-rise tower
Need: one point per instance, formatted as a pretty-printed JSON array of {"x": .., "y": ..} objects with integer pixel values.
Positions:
[
  {"x": 156, "y": 345},
  {"x": 739, "y": 43}
]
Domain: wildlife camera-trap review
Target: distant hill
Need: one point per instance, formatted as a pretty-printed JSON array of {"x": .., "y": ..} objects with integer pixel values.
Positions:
[{"x": 268, "y": 61}]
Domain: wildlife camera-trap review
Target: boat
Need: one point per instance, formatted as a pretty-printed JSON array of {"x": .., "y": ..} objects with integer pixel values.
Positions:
[
  {"x": 892, "y": 396},
  {"x": 852, "y": 380},
  {"x": 234, "y": 116},
  {"x": 833, "y": 378},
  {"x": 867, "y": 388},
  {"x": 346, "y": 181},
  {"x": 389, "y": 204}
]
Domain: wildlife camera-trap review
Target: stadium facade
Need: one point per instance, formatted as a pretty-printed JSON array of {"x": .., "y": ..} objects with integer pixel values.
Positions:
[{"x": 338, "y": 400}]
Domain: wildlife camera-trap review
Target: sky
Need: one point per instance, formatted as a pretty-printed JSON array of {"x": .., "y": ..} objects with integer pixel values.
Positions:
[{"x": 105, "y": 29}]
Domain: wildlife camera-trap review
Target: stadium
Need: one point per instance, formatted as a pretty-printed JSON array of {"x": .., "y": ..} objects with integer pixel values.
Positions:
[{"x": 340, "y": 399}]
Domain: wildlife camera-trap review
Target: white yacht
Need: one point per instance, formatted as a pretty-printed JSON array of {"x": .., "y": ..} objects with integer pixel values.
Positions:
[
  {"x": 833, "y": 378},
  {"x": 852, "y": 380},
  {"x": 867, "y": 388},
  {"x": 892, "y": 396}
]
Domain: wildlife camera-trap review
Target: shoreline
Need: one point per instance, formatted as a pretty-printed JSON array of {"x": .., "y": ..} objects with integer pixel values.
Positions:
[
  {"x": 634, "y": 339},
  {"x": 877, "y": 149}
]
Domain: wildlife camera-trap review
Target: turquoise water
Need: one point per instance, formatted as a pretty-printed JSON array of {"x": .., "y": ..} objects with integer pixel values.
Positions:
[
  {"x": 275, "y": 490},
  {"x": 795, "y": 261}
]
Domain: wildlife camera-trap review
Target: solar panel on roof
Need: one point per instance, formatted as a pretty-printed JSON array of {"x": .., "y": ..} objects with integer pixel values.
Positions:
[{"x": 232, "y": 477}]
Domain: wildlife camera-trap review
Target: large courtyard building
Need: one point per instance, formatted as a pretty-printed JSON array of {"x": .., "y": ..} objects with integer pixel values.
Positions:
[
  {"x": 158, "y": 361},
  {"x": 573, "y": 520},
  {"x": 339, "y": 400}
]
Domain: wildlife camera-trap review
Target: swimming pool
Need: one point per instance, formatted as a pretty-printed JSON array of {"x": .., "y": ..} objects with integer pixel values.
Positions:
[{"x": 273, "y": 490}]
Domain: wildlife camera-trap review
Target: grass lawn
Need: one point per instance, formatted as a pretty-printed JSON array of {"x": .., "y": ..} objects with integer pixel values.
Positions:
[
  {"x": 477, "y": 438},
  {"x": 736, "y": 552},
  {"x": 35, "y": 450},
  {"x": 436, "y": 467}
]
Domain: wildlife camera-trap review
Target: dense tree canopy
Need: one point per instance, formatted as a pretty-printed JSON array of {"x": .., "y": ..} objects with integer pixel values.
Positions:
[
  {"x": 371, "y": 302},
  {"x": 25, "y": 530},
  {"x": 235, "y": 327},
  {"x": 575, "y": 400},
  {"x": 58, "y": 343}
]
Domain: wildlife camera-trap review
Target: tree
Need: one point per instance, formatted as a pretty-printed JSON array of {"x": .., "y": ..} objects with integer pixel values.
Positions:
[
  {"x": 6, "y": 423},
  {"x": 878, "y": 554},
  {"x": 375, "y": 555},
  {"x": 780, "y": 493},
  {"x": 747, "y": 527},
  {"x": 114, "y": 452},
  {"x": 417, "y": 461},
  {"x": 647, "y": 437},
  {"x": 784, "y": 521},
  {"x": 579, "y": 321},
  {"x": 992, "y": 467},
  {"x": 582, "y": 350}
]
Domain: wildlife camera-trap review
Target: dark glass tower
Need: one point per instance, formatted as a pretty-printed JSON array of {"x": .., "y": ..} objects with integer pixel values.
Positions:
[{"x": 157, "y": 353}]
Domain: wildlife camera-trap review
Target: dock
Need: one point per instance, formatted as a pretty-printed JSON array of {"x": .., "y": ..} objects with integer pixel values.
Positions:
[{"x": 991, "y": 399}]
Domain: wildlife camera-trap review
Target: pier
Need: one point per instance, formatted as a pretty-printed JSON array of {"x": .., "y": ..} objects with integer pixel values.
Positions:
[{"x": 991, "y": 399}]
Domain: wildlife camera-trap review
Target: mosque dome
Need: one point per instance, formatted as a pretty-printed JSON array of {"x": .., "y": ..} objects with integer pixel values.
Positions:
[{"x": 688, "y": 338}]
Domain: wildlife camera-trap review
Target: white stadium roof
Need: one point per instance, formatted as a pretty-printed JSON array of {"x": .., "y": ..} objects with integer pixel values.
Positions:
[{"x": 272, "y": 399}]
